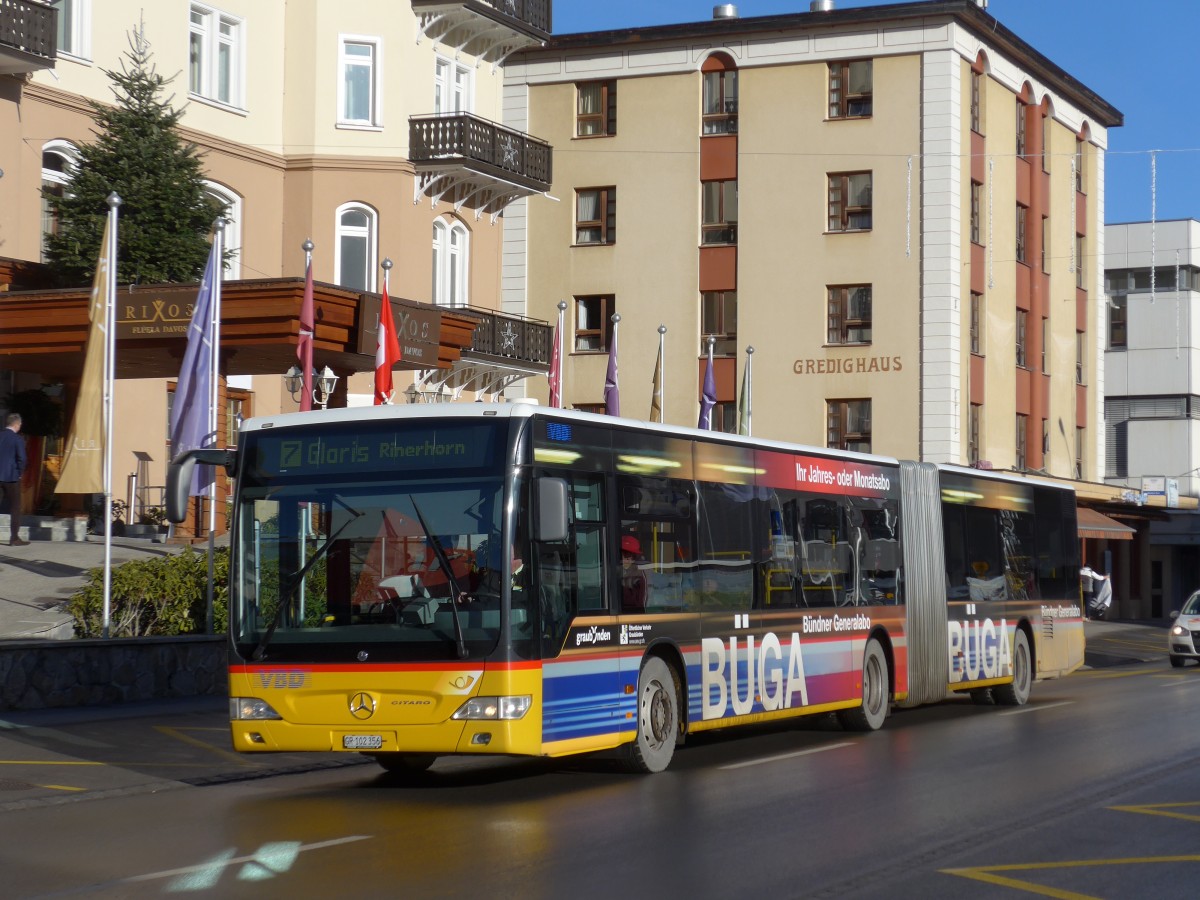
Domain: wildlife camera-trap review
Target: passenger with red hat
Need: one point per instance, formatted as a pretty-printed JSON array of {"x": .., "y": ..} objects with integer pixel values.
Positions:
[{"x": 633, "y": 580}]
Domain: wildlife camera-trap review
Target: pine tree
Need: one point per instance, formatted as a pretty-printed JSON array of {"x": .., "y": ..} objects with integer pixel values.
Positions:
[{"x": 165, "y": 215}]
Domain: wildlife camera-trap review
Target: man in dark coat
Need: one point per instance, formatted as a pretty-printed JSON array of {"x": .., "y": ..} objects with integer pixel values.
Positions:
[{"x": 12, "y": 465}]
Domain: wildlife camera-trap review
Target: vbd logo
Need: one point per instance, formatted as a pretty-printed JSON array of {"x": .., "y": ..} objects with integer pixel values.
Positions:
[{"x": 286, "y": 680}]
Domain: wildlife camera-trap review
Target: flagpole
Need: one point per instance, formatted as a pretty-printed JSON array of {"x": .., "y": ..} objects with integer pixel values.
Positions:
[
  {"x": 110, "y": 367},
  {"x": 662, "y": 373},
  {"x": 387, "y": 296},
  {"x": 749, "y": 391},
  {"x": 562, "y": 346},
  {"x": 214, "y": 374},
  {"x": 305, "y": 351},
  {"x": 612, "y": 392}
]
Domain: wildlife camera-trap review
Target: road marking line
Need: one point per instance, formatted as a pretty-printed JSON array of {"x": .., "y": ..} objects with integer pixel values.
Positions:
[
  {"x": 226, "y": 755},
  {"x": 1038, "y": 708},
  {"x": 50, "y": 762},
  {"x": 1161, "y": 809},
  {"x": 988, "y": 874},
  {"x": 783, "y": 756},
  {"x": 188, "y": 870},
  {"x": 60, "y": 787}
]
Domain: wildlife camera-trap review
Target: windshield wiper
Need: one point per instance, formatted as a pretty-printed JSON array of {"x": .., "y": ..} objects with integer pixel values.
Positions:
[
  {"x": 460, "y": 642},
  {"x": 285, "y": 595}
]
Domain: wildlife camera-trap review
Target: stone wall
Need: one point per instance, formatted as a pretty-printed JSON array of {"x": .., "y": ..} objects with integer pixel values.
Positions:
[{"x": 56, "y": 674}]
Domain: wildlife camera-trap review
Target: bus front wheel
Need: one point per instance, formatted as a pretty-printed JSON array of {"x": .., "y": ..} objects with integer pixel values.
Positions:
[
  {"x": 1017, "y": 693},
  {"x": 657, "y": 718},
  {"x": 875, "y": 691}
]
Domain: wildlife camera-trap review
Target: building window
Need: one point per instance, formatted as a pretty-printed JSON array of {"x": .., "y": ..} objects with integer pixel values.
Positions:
[
  {"x": 718, "y": 319},
  {"x": 973, "y": 424},
  {"x": 1117, "y": 325},
  {"x": 850, "y": 201},
  {"x": 1046, "y": 122},
  {"x": 1080, "y": 256},
  {"x": 849, "y": 314},
  {"x": 452, "y": 87},
  {"x": 1080, "y": 443},
  {"x": 850, "y": 89},
  {"x": 596, "y": 216},
  {"x": 1045, "y": 443},
  {"x": 354, "y": 248},
  {"x": 1021, "y": 142},
  {"x": 1022, "y": 318},
  {"x": 1080, "y": 346},
  {"x": 724, "y": 417},
  {"x": 238, "y": 408},
  {"x": 976, "y": 212},
  {"x": 1080, "y": 179},
  {"x": 231, "y": 211},
  {"x": 720, "y": 102},
  {"x": 215, "y": 55},
  {"x": 74, "y": 28},
  {"x": 59, "y": 159},
  {"x": 1022, "y": 436},
  {"x": 1022, "y": 216},
  {"x": 977, "y": 102},
  {"x": 720, "y": 212},
  {"x": 848, "y": 425},
  {"x": 596, "y": 112},
  {"x": 596, "y": 409},
  {"x": 358, "y": 89},
  {"x": 976, "y": 323},
  {"x": 593, "y": 323},
  {"x": 451, "y": 262}
]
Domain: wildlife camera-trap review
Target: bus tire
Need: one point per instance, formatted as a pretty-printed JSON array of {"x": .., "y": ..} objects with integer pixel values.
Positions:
[
  {"x": 875, "y": 693},
  {"x": 982, "y": 696},
  {"x": 405, "y": 763},
  {"x": 657, "y": 718},
  {"x": 1177, "y": 661},
  {"x": 1016, "y": 693}
]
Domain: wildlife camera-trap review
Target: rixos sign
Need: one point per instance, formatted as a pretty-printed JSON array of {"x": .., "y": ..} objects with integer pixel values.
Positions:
[
  {"x": 418, "y": 330},
  {"x": 155, "y": 315}
]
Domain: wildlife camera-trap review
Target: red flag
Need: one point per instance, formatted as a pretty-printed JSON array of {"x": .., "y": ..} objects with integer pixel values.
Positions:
[
  {"x": 555, "y": 374},
  {"x": 387, "y": 351},
  {"x": 304, "y": 347}
]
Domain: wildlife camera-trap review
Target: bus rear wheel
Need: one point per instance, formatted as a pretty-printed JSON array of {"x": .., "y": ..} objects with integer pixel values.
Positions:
[
  {"x": 875, "y": 693},
  {"x": 1017, "y": 693},
  {"x": 657, "y": 718},
  {"x": 405, "y": 763}
]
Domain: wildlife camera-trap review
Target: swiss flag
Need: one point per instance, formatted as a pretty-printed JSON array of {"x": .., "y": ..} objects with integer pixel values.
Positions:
[{"x": 387, "y": 352}]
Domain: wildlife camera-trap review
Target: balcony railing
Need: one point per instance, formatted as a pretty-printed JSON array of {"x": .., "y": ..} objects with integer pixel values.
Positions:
[
  {"x": 27, "y": 36},
  {"x": 488, "y": 29},
  {"x": 511, "y": 337},
  {"x": 467, "y": 140}
]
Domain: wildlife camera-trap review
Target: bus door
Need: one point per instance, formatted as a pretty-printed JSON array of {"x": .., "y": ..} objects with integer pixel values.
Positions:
[
  {"x": 581, "y": 674},
  {"x": 732, "y": 545}
]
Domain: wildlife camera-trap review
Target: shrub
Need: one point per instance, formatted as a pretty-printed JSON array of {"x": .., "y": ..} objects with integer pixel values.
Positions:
[{"x": 162, "y": 596}]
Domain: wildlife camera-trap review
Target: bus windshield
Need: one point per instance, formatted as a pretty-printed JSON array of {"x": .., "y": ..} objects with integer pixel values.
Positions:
[{"x": 357, "y": 543}]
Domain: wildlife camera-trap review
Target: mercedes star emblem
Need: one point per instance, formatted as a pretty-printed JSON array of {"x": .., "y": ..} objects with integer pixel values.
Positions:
[{"x": 362, "y": 705}]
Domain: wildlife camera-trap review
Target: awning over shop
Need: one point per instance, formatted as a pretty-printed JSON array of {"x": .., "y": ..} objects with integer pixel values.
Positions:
[{"x": 1092, "y": 524}]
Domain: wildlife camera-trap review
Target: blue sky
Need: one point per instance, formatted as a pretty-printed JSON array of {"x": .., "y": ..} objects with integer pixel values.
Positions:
[{"x": 1139, "y": 56}]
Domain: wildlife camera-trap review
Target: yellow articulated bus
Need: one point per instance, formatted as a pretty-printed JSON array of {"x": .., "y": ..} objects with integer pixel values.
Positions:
[{"x": 417, "y": 581}]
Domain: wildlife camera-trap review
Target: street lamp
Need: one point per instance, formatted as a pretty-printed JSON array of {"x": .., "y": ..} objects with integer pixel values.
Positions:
[{"x": 324, "y": 383}]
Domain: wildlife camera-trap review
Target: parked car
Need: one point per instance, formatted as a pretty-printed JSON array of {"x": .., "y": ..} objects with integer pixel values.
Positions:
[{"x": 1183, "y": 643}]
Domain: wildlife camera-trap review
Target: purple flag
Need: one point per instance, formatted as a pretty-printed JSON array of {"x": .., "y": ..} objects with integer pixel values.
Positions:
[
  {"x": 708, "y": 398},
  {"x": 189, "y": 427},
  {"x": 612, "y": 395}
]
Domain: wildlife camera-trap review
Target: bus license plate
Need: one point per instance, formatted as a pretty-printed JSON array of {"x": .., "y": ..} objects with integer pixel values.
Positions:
[{"x": 362, "y": 741}]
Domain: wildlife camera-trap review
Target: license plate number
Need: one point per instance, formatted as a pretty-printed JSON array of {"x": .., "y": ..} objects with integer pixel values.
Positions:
[{"x": 362, "y": 741}]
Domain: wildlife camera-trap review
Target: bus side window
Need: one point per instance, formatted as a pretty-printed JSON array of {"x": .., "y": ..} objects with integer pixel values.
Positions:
[{"x": 570, "y": 575}]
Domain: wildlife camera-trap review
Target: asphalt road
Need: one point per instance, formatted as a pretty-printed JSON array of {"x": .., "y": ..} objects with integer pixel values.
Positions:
[{"x": 1093, "y": 790}]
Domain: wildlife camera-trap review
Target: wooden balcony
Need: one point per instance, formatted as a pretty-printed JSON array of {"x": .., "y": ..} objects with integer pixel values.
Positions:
[
  {"x": 487, "y": 29},
  {"x": 28, "y": 40},
  {"x": 472, "y": 162}
]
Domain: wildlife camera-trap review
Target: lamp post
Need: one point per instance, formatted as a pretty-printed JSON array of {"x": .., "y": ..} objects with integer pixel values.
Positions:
[{"x": 325, "y": 381}]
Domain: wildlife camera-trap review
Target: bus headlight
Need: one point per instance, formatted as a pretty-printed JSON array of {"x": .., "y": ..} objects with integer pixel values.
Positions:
[
  {"x": 1178, "y": 630},
  {"x": 251, "y": 708},
  {"x": 494, "y": 708}
]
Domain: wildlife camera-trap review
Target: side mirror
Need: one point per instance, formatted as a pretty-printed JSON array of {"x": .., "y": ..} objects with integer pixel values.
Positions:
[
  {"x": 179, "y": 476},
  {"x": 552, "y": 509}
]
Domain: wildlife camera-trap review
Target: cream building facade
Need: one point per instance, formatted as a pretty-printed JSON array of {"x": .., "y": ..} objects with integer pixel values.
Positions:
[
  {"x": 858, "y": 194},
  {"x": 316, "y": 121}
]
